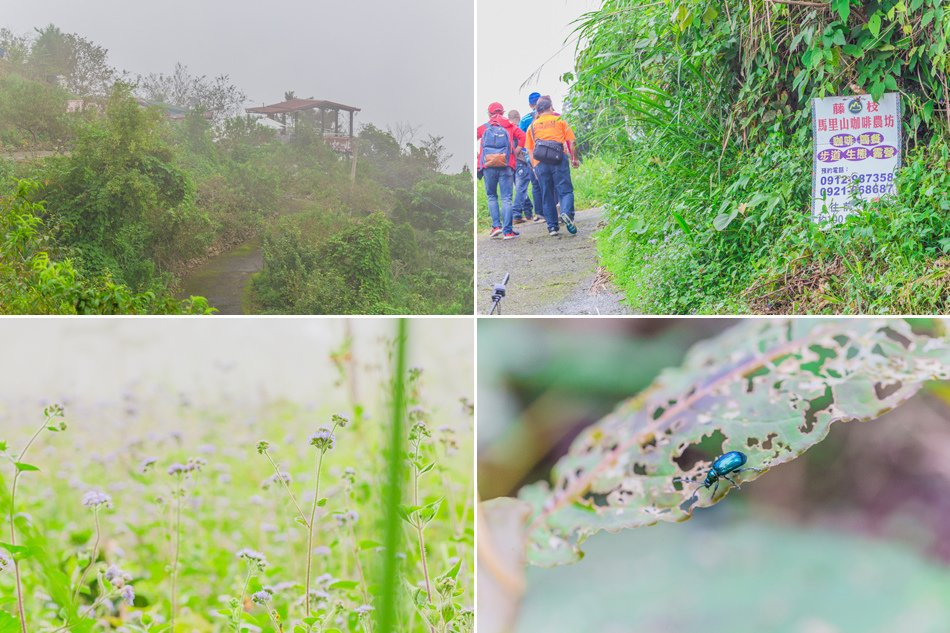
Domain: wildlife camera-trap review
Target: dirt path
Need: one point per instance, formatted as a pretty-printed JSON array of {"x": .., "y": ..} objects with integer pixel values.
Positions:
[
  {"x": 27, "y": 155},
  {"x": 223, "y": 279},
  {"x": 549, "y": 275}
]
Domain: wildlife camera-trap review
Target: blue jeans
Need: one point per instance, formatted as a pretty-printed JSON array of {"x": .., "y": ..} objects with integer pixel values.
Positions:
[
  {"x": 499, "y": 178},
  {"x": 556, "y": 186},
  {"x": 522, "y": 204}
]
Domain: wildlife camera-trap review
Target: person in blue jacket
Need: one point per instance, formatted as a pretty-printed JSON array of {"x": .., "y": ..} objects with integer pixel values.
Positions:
[{"x": 532, "y": 204}]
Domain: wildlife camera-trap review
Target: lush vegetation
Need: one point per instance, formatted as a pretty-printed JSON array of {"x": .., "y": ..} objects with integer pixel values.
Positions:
[
  {"x": 128, "y": 199},
  {"x": 706, "y": 107},
  {"x": 342, "y": 255},
  {"x": 206, "y": 525}
]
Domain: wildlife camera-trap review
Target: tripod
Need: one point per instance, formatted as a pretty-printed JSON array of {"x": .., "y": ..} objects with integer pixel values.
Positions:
[{"x": 498, "y": 293}]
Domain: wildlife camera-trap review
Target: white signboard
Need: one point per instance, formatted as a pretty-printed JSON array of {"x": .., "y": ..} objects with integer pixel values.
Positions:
[{"x": 857, "y": 151}]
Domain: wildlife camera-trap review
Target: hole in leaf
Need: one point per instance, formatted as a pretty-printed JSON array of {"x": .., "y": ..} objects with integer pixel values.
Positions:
[
  {"x": 708, "y": 448},
  {"x": 883, "y": 391},
  {"x": 752, "y": 441},
  {"x": 895, "y": 336},
  {"x": 841, "y": 339},
  {"x": 815, "y": 406},
  {"x": 639, "y": 469},
  {"x": 658, "y": 412},
  {"x": 648, "y": 443},
  {"x": 767, "y": 444},
  {"x": 824, "y": 354}
]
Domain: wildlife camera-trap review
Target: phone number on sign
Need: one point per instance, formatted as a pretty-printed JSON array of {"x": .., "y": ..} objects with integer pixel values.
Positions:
[
  {"x": 845, "y": 179},
  {"x": 865, "y": 190}
]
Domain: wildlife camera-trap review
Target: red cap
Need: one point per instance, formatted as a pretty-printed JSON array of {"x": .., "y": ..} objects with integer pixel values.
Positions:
[{"x": 496, "y": 108}]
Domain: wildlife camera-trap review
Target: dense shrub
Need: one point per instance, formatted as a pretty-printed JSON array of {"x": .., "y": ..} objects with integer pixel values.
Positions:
[{"x": 31, "y": 282}]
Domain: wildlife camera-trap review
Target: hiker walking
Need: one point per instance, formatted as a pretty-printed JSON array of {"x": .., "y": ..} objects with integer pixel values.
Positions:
[
  {"x": 535, "y": 199},
  {"x": 550, "y": 141},
  {"x": 522, "y": 206},
  {"x": 499, "y": 143}
]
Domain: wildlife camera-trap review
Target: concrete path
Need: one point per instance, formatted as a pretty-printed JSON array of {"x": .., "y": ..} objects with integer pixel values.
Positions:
[{"x": 549, "y": 275}]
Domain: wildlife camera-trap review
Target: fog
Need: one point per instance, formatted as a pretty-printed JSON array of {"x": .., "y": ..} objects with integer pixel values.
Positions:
[
  {"x": 401, "y": 62},
  {"x": 229, "y": 363},
  {"x": 541, "y": 39}
]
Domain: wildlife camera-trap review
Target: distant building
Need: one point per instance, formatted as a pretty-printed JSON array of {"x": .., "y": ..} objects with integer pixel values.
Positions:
[
  {"x": 325, "y": 115},
  {"x": 83, "y": 105}
]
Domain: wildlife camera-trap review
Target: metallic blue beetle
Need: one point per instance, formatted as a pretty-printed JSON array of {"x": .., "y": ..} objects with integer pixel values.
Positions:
[{"x": 730, "y": 462}]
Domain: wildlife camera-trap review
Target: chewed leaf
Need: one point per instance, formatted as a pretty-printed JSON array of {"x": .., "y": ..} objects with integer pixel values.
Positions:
[{"x": 770, "y": 389}]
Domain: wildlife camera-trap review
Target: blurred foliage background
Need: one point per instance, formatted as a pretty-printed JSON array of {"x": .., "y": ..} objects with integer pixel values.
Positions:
[{"x": 852, "y": 536}]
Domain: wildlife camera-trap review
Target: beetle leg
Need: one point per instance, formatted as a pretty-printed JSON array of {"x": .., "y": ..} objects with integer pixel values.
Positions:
[{"x": 730, "y": 480}]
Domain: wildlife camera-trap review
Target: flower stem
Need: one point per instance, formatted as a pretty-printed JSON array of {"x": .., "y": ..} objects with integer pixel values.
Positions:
[
  {"x": 92, "y": 561},
  {"x": 313, "y": 518},
  {"x": 16, "y": 560},
  {"x": 180, "y": 494},
  {"x": 419, "y": 527},
  {"x": 287, "y": 488}
]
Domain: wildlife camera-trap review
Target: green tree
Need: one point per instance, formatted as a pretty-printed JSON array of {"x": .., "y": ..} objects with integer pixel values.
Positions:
[
  {"x": 71, "y": 61},
  {"x": 123, "y": 198},
  {"x": 32, "y": 112},
  {"x": 216, "y": 96}
]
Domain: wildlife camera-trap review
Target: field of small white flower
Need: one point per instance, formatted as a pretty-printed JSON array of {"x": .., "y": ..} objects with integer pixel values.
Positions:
[{"x": 161, "y": 513}]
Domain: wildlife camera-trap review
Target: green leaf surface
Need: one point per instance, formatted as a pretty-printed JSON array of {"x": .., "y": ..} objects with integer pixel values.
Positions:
[
  {"x": 769, "y": 388},
  {"x": 25, "y": 468},
  {"x": 8, "y": 623},
  {"x": 775, "y": 578},
  {"x": 723, "y": 220}
]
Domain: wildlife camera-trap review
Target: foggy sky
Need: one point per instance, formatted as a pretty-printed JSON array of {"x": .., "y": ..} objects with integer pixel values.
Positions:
[
  {"x": 400, "y": 61},
  {"x": 541, "y": 29}
]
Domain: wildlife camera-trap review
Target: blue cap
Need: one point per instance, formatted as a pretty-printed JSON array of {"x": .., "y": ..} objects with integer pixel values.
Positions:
[{"x": 533, "y": 98}]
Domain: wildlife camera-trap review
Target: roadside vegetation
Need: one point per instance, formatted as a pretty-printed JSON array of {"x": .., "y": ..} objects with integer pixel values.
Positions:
[
  {"x": 116, "y": 200},
  {"x": 706, "y": 108}
]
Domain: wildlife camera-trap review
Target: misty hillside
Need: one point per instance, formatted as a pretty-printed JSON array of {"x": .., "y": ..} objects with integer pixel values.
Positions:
[{"x": 160, "y": 193}]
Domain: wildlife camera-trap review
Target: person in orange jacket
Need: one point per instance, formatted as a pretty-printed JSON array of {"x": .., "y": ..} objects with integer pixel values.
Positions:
[{"x": 551, "y": 144}]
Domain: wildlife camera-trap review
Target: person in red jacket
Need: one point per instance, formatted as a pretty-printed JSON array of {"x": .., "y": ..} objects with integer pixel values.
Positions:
[{"x": 499, "y": 144}]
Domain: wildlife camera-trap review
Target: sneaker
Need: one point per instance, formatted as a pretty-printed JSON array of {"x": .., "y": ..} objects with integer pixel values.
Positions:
[
  {"x": 518, "y": 221},
  {"x": 495, "y": 232},
  {"x": 510, "y": 235},
  {"x": 538, "y": 219},
  {"x": 553, "y": 232},
  {"x": 569, "y": 223}
]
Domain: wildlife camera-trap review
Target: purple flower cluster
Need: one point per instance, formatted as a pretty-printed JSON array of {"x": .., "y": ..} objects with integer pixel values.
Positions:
[
  {"x": 195, "y": 464},
  {"x": 323, "y": 439},
  {"x": 96, "y": 498}
]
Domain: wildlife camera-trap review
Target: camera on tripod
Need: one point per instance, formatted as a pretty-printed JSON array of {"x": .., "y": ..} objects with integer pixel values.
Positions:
[{"x": 498, "y": 293}]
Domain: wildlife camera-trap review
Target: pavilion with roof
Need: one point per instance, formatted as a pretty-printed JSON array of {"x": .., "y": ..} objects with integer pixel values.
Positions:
[{"x": 326, "y": 116}]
